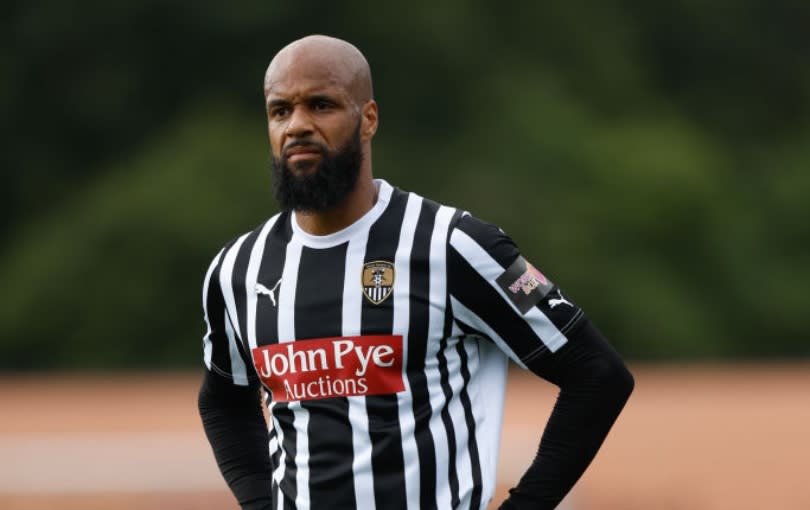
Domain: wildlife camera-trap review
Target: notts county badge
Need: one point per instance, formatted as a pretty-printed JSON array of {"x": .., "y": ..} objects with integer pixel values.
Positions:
[{"x": 378, "y": 280}]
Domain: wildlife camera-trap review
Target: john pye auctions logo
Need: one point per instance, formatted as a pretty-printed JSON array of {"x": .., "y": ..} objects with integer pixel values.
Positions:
[{"x": 331, "y": 367}]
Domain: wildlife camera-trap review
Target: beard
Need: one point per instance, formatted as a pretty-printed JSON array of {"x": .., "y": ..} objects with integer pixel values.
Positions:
[{"x": 323, "y": 188}]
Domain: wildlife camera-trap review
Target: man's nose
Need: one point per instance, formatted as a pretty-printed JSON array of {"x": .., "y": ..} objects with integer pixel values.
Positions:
[{"x": 300, "y": 123}]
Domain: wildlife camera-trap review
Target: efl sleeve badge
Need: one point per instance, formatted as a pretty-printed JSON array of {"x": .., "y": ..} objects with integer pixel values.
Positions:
[{"x": 524, "y": 284}]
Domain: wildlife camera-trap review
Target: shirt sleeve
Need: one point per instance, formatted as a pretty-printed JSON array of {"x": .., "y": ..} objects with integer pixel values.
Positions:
[
  {"x": 223, "y": 352},
  {"x": 497, "y": 293},
  {"x": 229, "y": 397}
]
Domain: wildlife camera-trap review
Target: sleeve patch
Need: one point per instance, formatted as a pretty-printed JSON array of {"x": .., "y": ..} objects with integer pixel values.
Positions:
[{"x": 524, "y": 284}]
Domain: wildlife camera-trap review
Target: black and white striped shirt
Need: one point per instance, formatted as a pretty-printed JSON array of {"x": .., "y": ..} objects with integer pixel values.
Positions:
[{"x": 383, "y": 348}]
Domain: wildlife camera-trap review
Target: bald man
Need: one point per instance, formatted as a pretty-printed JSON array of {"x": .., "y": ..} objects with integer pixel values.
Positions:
[{"x": 379, "y": 325}]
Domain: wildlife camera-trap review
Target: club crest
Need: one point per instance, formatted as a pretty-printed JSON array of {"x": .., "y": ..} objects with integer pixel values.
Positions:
[{"x": 378, "y": 280}]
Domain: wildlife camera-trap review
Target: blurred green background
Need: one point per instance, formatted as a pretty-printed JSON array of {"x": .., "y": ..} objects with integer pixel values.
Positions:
[{"x": 651, "y": 157}]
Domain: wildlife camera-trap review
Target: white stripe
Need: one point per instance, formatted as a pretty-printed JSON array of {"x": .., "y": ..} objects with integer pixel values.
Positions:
[
  {"x": 301, "y": 423},
  {"x": 490, "y": 270},
  {"x": 207, "y": 345},
  {"x": 474, "y": 392},
  {"x": 456, "y": 408},
  {"x": 226, "y": 281},
  {"x": 286, "y": 292},
  {"x": 286, "y": 333},
  {"x": 358, "y": 418},
  {"x": 402, "y": 281},
  {"x": 438, "y": 299},
  {"x": 272, "y": 445},
  {"x": 467, "y": 316},
  {"x": 238, "y": 368},
  {"x": 487, "y": 390},
  {"x": 278, "y": 473}
]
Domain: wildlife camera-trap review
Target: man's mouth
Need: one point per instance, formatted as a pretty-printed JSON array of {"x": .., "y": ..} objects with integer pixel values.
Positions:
[{"x": 301, "y": 152}]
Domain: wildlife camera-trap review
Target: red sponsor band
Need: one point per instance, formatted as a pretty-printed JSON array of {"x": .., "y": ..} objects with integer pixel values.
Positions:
[{"x": 331, "y": 367}]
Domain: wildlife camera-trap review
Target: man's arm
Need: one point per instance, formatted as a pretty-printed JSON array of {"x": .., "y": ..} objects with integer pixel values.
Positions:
[
  {"x": 594, "y": 386},
  {"x": 545, "y": 331},
  {"x": 235, "y": 426},
  {"x": 229, "y": 404}
]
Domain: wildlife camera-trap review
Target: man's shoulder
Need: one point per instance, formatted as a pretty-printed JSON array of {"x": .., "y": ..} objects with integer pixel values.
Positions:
[
  {"x": 432, "y": 206},
  {"x": 459, "y": 218},
  {"x": 276, "y": 225}
]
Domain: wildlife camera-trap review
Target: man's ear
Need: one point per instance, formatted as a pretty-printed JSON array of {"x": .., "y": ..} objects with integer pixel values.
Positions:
[{"x": 369, "y": 120}]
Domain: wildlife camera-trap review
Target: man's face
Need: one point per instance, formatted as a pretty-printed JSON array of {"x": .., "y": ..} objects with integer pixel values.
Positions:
[
  {"x": 297, "y": 185},
  {"x": 314, "y": 129}
]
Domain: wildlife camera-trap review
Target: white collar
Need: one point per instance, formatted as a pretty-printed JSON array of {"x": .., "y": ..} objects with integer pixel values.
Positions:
[{"x": 384, "y": 192}]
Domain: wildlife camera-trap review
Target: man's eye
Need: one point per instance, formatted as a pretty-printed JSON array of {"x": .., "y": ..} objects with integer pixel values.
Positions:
[
  {"x": 279, "y": 112},
  {"x": 321, "y": 105}
]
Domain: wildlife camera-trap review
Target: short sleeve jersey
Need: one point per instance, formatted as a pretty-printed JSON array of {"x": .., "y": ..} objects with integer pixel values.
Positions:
[{"x": 382, "y": 349}]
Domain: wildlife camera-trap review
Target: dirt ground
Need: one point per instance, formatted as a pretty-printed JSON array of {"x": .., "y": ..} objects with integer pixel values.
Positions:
[{"x": 700, "y": 437}]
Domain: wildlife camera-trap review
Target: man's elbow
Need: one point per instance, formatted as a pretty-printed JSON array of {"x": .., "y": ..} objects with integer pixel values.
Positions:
[
  {"x": 625, "y": 382},
  {"x": 612, "y": 379}
]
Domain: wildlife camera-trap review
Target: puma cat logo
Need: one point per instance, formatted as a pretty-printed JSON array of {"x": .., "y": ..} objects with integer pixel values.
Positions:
[
  {"x": 554, "y": 302},
  {"x": 261, "y": 289}
]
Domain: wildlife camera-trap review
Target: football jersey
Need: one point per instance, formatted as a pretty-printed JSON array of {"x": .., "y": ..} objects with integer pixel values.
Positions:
[{"x": 383, "y": 350}]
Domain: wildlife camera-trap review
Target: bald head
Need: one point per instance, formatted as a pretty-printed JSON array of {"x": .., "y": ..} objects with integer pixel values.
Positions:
[
  {"x": 321, "y": 118},
  {"x": 324, "y": 58}
]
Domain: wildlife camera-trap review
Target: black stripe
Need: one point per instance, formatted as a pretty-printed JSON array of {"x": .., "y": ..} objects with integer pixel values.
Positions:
[
  {"x": 387, "y": 461},
  {"x": 470, "y": 288},
  {"x": 564, "y": 316},
  {"x": 272, "y": 265},
  {"x": 285, "y": 418},
  {"x": 319, "y": 294},
  {"x": 275, "y": 458},
  {"x": 240, "y": 266},
  {"x": 491, "y": 238},
  {"x": 447, "y": 328},
  {"x": 447, "y": 420},
  {"x": 383, "y": 239},
  {"x": 273, "y": 259},
  {"x": 452, "y": 473},
  {"x": 215, "y": 307},
  {"x": 270, "y": 269},
  {"x": 417, "y": 346},
  {"x": 472, "y": 443}
]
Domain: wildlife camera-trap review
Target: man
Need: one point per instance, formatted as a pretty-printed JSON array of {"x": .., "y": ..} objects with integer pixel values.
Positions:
[{"x": 379, "y": 324}]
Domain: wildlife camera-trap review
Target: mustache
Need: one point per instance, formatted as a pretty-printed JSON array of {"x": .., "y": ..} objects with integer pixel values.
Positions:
[{"x": 303, "y": 143}]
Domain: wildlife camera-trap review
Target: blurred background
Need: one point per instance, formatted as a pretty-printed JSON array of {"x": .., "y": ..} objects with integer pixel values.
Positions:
[{"x": 650, "y": 157}]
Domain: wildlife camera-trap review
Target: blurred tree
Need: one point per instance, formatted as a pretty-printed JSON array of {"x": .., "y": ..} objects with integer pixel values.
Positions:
[{"x": 651, "y": 158}]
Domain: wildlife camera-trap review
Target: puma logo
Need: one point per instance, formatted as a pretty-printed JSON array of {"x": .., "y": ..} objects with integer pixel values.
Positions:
[
  {"x": 261, "y": 289},
  {"x": 554, "y": 302}
]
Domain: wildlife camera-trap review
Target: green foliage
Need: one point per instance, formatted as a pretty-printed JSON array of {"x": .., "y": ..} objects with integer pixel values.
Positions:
[
  {"x": 651, "y": 159},
  {"x": 115, "y": 279}
]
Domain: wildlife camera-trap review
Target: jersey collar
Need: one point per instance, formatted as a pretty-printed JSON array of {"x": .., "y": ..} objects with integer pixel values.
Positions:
[{"x": 384, "y": 192}]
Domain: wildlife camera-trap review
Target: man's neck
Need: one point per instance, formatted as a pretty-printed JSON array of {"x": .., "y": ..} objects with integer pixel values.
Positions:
[{"x": 355, "y": 206}]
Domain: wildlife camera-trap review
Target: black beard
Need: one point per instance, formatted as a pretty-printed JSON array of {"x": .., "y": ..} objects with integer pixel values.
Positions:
[{"x": 326, "y": 187}]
